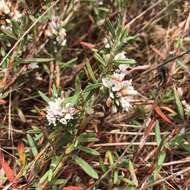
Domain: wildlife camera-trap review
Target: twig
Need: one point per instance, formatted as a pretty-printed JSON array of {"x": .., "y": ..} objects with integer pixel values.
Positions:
[
  {"x": 124, "y": 144},
  {"x": 143, "y": 13},
  {"x": 166, "y": 62},
  {"x": 166, "y": 178},
  {"x": 132, "y": 133}
]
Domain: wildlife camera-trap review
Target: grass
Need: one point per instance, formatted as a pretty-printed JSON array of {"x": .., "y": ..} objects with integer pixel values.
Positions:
[{"x": 94, "y": 95}]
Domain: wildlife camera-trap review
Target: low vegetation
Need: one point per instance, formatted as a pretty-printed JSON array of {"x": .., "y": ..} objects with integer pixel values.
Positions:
[{"x": 94, "y": 94}]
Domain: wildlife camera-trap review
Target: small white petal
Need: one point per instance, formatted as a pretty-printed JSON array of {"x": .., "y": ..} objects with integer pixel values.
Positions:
[
  {"x": 117, "y": 86},
  {"x": 120, "y": 56},
  {"x": 68, "y": 116},
  {"x": 33, "y": 66},
  {"x": 114, "y": 109},
  {"x": 119, "y": 75},
  {"x": 107, "y": 45},
  {"x": 123, "y": 67},
  {"x": 117, "y": 102},
  {"x": 107, "y": 82},
  {"x": 63, "y": 121},
  {"x": 111, "y": 95},
  {"x": 125, "y": 103}
]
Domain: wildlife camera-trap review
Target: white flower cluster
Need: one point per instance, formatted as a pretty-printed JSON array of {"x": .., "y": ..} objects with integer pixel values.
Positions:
[
  {"x": 56, "y": 112},
  {"x": 55, "y": 30},
  {"x": 6, "y": 8},
  {"x": 121, "y": 91}
]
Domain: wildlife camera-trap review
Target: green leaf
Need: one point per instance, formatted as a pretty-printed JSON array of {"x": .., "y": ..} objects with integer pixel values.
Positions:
[
  {"x": 89, "y": 89},
  {"x": 125, "y": 61},
  {"x": 50, "y": 174},
  {"x": 157, "y": 133},
  {"x": 32, "y": 144},
  {"x": 54, "y": 91},
  {"x": 86, "y": 167},
  {"x": 160, "y": 162},
  {"x": 88, "y": 137},
  {"x": 21, "y": 115},
  {"x": 89, "y": 150},
  {"x": 130, "y": 39},
  {"x": 161, "y": 158},
  {"x": 99, "y": 58},
  {"x": 110, "y": 28},
  {"x": 128, "y": 181},
  {"x": 38, "y": 60},
  {"x": 77, "y": 83},
  {"x": 133, "y": 175},
  {"x": 110, "y": 157},
  {"x": 72, "y": 100},
  {"x": 102, "y": 166},
  {"x": 123, "y": 34},
  {"x": 178, "y": 103},
  {"x": 115, "y": 177},
  {"x": 90, "y": 72},
  {"x": 68, "y": 64},
  {"x": 43, "y": 96},
  {"x": 44, "y": 177}
]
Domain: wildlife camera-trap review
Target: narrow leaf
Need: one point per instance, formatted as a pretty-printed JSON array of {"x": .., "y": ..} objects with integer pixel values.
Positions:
[
  {"x": 110, "y": 28},
  {"x": 7, "y": 169},
  {"x": 43, "y": 96},
  {"x": 21, "y": 115},
  {"x": 89, "y": 150},
  {"x": 86, "y": 167},
  {"x": 100, "y": 59},
  {"x": 2, "y": 101},
  {"x": 32, "y": 145},
  {"x": 21, "y": 153},
  {"x": 90, "y": 72},
  {"x": 162, "y": 115},
  {"x": 157, "y": 133},
  {"x": 133, "y": 175},
  {"x": 38, "y": 60},
  {"x": 110, "y": 157},
  {"x": 87, "y": 45}
]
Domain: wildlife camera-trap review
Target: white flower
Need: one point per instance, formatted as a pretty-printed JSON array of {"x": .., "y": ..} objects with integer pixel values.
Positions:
[
  {"x": 118, "y": 75},
  {"x": 120, "y": 56},
  {"x": 33, "y": 66},
  {"x": 61, "y": 37},
  {"x": 121, "y": 92},
  {"x": 112, "y": 84},
  {"x": 4, "y": 7},
  {"x": 55, "y": 30},
  {"x": 114, "y": 109},
  {"x": 100, "y": 2},
  {"x": 127, "y": 84},
  {"x": 57, "y": 112},
  {"x": 125, "y": 103},
  {"x": 123, "y": 67},
  {"x": 106, "y": 43}
]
